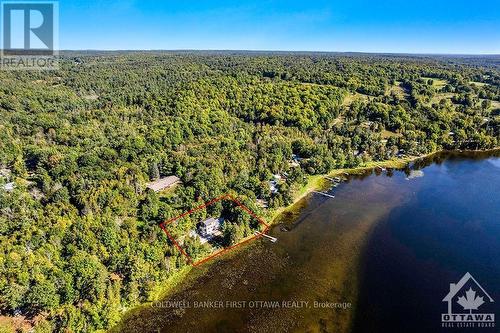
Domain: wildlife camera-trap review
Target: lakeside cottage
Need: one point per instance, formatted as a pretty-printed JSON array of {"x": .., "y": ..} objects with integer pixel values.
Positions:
[
  {"x": 273, "y": 186},
  {"x": 210, "y": 227},
  {"x": 163, "y": 183}
]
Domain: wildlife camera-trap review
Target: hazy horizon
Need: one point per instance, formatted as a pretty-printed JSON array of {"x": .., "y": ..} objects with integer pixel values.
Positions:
[
  {"x": 426, "y": 27},
  {"x": 279, "y": 51}
]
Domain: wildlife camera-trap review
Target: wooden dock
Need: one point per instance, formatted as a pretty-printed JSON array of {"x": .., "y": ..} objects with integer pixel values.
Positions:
[
  {"x": 325, "y": 194},
  {"x": 272, "y": 239},
  {"x": 334, "y": 180}
]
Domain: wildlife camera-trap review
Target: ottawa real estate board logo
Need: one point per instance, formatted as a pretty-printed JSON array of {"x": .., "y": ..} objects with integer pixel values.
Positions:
[
  {"x": 29, "y": 35},
  {"x": 467, "y": 302}
]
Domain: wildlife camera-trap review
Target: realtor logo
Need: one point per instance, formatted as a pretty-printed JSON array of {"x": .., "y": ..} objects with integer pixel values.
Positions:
[
  {"x": 465, "y": 299},
  {"x": 29, "y": 34}
]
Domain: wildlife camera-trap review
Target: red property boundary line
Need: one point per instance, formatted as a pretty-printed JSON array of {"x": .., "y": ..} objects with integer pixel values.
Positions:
[{"x": 223, "y": 197}]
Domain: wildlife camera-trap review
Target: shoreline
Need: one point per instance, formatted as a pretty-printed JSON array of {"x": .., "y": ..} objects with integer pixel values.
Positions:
[{"x": 314, "y": 182}]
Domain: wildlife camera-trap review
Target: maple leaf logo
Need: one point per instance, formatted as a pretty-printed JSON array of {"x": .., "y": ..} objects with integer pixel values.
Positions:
[{"x": 470, "y": 301}]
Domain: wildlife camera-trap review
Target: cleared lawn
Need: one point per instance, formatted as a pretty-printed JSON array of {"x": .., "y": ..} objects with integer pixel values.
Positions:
[
  {"x": 479, "y": 84},
  {"x": 436, "y": 83},
  {"x": 355, "y": 97},
  {"x": 438, "y": 97},
  {"x": 495, "y": 105},
  {"x": 397, "y": 90},
  {"x": 390, "y": 134}
]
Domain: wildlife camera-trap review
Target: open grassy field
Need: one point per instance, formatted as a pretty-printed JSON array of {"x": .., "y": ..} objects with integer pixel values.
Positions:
[
  {"x": 479, "y": 84},
  {"x": 436, "y": 83},
  {"x": 390, "y": 134},
  {"x": 495, "y": 105},
  {"x": 355, "y": 97},
  {"x": 438, "y": 97},
  {"x": 397, "y": 89}
]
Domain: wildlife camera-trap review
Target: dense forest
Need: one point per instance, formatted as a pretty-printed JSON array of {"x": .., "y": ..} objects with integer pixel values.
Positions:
[{"x": 79, "y": 234}]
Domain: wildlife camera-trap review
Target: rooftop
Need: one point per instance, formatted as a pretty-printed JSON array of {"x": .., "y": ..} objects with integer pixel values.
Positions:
[
  {"x": 211, "y": 221},
  {"x": 163, "y": 183}
]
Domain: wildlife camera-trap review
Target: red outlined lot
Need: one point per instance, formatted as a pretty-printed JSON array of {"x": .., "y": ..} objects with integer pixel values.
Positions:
[{"x": 164, "y": 225}]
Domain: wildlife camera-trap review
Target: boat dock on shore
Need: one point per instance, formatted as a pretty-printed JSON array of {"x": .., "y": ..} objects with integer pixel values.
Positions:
[
  {"x": 271, "y": 238},
  {"x": 325, "y": 194}
]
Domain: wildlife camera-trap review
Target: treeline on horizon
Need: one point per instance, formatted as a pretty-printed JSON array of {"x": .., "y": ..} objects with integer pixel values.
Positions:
[{"x": 79, "y": 231}]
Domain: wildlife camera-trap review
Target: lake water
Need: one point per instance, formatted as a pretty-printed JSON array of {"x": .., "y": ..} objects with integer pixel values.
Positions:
[{"x": 379, "y": 257}]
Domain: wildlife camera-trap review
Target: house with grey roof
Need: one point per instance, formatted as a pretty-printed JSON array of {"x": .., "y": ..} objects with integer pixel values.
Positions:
[
  {"x": 163, "y": 183},
  {"x": 210, "y": 227}
]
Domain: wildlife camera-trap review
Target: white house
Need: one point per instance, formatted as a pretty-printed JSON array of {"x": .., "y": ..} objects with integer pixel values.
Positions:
[
  {"x": 210, "y": 227},
  {"x": 273, "y": 186}
]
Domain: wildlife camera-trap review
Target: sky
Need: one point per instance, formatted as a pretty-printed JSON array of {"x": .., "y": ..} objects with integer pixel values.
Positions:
[{"x": 419, "y": 26}]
